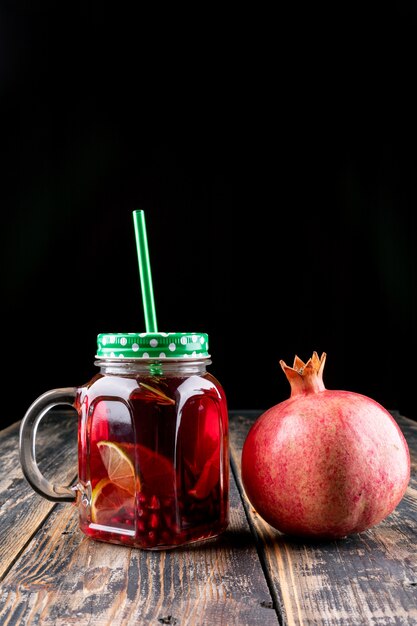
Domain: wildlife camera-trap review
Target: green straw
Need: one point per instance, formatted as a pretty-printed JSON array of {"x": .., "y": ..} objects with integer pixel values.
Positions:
[{"x": 145, "y": 271}]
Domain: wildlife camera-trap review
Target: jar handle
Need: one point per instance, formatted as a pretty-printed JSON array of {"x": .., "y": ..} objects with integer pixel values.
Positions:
[{"x": 27, "y": 444}]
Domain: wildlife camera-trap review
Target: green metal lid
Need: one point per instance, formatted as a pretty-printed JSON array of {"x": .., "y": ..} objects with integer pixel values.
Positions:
[{"x": 152, "y": 345}]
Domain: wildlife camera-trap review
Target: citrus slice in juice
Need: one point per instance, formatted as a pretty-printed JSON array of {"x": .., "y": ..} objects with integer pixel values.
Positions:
[
  {"x": 208, "y": 478},
  {"x": 119, "y": 466},
  {"x": 157, "y": 473},
  {"x": 107, "y": 499}
]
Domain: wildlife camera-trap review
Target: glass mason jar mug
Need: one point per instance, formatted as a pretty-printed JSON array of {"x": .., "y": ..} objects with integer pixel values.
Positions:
[{"x": 153, "y": 456}]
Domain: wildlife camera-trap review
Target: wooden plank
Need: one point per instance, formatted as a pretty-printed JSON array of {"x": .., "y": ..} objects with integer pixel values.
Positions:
[
  {"x": 369, "y": 578},
  {"x": 21, "y": 510},
  {"x": 64, "y": 578}
]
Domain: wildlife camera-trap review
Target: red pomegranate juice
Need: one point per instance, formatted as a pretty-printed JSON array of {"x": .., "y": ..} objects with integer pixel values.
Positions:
[{"x": 153, "y": 459}]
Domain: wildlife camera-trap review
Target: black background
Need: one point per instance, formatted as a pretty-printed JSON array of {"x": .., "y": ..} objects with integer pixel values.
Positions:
[{"x": 275, "y": 159}]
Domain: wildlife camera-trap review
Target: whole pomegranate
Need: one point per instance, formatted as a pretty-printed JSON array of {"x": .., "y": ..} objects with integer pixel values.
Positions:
[{"x": 324, "y": 463}]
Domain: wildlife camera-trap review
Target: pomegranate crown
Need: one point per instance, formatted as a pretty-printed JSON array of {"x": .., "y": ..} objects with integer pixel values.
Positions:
[{"x": 305, "y": 377}]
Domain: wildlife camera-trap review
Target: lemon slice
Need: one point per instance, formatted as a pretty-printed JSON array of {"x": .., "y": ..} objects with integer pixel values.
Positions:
[
  {"x": 107, "y": 499},
  {"x": 119, "y": 466}
]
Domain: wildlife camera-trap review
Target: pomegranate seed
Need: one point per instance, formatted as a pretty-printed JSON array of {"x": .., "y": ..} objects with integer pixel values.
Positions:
[
  {"x": 169, "y": 520},
  {"x": 141, "y": 526},
  {"x": 154, "y": 520},
  {"x": 154, "y": 503},
  {"x": 165, "y": 536},
  {"x": 152, "y": 536},
  {"x": 142, "y": 498}
]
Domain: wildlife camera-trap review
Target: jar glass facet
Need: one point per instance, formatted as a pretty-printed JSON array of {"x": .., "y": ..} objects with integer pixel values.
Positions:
[{"x": 153, "y": 453}]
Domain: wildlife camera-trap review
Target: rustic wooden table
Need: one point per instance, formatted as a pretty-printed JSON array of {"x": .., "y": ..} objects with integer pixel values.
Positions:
[{"x": 52, "y": 575}]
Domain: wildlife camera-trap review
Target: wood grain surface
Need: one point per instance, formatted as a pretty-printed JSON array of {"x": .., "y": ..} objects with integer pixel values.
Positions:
[
  {"x": 62, "y": 577},
  {"x": 21, "y": 511},
  {"x": 51, "y": 574},
  {"x": 369, "y": 578}
]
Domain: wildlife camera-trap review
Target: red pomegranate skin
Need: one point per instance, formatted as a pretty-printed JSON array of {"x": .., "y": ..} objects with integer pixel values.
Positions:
[{"x": 325, "y": 464}]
